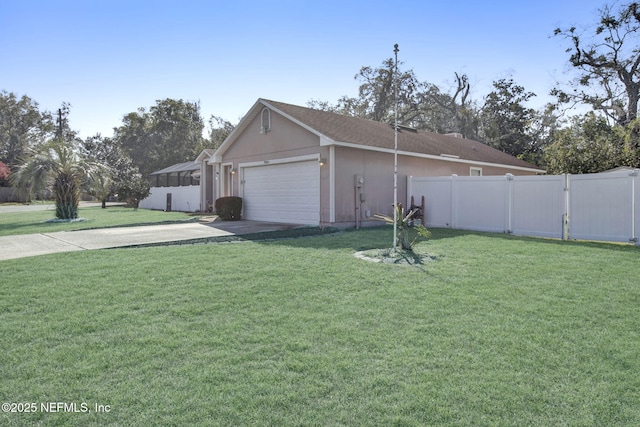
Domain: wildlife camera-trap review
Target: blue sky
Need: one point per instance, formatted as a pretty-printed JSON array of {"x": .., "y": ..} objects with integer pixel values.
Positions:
[{"x": 109, "y": 57}]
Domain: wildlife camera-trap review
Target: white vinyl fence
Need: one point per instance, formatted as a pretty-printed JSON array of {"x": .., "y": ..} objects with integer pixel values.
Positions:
[
  {"x": 182, "y": 199},
  {"x": 604, "y": 206}
]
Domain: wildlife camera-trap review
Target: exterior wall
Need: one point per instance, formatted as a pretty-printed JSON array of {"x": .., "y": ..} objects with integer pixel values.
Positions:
[
  {"x": 377, "y": 170},
  {"x": 206, "y": 183},
  {"x": 285, "y": 140}
]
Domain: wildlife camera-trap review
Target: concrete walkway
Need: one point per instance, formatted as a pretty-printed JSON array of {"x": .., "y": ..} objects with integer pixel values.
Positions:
[{"x": 20, "y": 246}]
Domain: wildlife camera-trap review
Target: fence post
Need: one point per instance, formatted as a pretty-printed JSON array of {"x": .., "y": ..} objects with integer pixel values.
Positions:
[
  {"x": 634, "y": 231},
  {"x": 424, "y": 212},
  {"x": 453, "y": 220},
  {"x": 565, "y": 217},
  {"x": 509, "y": 203}
]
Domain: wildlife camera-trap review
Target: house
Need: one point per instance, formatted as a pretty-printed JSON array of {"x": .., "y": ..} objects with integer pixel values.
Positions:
[{"x": 305, "y": 166}]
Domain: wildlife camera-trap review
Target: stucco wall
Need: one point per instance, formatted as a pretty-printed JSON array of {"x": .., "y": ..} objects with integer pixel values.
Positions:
[
  {"x": 284, "y": 140},
  {"x": 377, "y": 170}
]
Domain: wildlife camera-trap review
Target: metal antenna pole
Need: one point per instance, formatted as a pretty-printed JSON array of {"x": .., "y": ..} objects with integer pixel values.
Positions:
[{"x": 395, "y": 153}]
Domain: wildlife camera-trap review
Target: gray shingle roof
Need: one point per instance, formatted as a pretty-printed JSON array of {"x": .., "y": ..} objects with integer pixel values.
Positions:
[
  {"x": 355, "y": 130},
  {"x": 179, "y": 167}
]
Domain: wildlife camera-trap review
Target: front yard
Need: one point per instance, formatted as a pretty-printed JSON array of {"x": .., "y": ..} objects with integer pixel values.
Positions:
[
  {"x": 15, "y": 223},
  {"x": 496, "y": 330}
]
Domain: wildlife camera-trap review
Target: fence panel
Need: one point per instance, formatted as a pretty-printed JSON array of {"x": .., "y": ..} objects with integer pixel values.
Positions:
[
  {"x": 538, "y": 205},
  {"x": 183, "y": 199},
  {"x": 601, "y": 207},
  {"x": 437, "y": 192},
  {"x": 480, "y": 203}
]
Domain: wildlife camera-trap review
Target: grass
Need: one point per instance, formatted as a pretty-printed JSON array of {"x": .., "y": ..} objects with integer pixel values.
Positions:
[
  {"x": 496, "y": 330},
  {"x": 16, "y": 223}
]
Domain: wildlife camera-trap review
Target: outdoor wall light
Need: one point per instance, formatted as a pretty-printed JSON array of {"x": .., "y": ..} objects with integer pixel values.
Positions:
[
  {"x": 322, "y": 161},
  {"x": 233, "y": 171}
]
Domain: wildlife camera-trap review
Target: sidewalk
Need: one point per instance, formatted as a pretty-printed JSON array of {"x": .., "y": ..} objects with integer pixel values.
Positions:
[{"x": 20, "y": 246}]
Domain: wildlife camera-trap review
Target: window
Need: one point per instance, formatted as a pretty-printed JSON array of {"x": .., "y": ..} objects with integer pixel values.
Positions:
[
  {"x": 475, "y": 171},
  {"x": 265, "y": 121}
]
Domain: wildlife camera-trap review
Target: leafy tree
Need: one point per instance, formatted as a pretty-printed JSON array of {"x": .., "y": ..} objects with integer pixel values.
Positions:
[
  {"x": 134, "y": 189},
  {"x": 588, "y": 145},
  {"x": 608, "y": 64},
  {"x": 170, "y": 132},
  {"x": 506, "y": 120},
  {"x": 22, "y": 126},
  {"x": 219, "y": 129},
  {"x": 376, "y": 97},
  {"x": 542, "y": 130},
  {"x": 420, "y": 104},
  {"x": 57, "y": 166},
  {"x": 442, "y": 112},
  {"x": 119, "y": 167}
]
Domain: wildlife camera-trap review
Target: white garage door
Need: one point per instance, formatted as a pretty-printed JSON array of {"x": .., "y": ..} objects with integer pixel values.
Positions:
[{"x": 284, "y": 192}]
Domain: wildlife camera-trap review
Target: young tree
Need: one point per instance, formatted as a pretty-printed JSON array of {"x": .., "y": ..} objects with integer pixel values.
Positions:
[{"x": 57, "y": 166}]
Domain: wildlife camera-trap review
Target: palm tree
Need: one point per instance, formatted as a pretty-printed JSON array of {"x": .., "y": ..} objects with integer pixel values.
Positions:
[{"x": 59, "y": 167}]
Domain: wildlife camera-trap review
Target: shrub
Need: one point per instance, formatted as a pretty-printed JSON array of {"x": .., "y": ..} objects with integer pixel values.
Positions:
[
  {"x": 404, "y": 224},
  {"x": 229, "y": 208}
]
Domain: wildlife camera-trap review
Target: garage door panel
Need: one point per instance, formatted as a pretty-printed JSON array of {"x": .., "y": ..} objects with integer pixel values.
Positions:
[{"x": 285, "y": 192}]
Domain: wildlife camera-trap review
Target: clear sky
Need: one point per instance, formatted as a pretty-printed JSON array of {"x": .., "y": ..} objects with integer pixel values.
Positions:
[{"x": 109, "y": 57}]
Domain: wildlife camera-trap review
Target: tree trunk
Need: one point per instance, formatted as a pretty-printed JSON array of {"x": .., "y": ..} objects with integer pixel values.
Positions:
[{"x": 67, "y": 196}]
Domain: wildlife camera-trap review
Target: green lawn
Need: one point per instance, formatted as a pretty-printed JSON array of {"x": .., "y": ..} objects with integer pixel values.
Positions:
[
  {"x": 497, "y": 330},
  {"x": 94, "y": 217}
]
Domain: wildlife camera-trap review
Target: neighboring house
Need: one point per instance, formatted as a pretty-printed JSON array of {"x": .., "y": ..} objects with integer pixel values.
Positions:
[
  {"x": 304, "y": 166},
  {"x": 177, "y": 187}
]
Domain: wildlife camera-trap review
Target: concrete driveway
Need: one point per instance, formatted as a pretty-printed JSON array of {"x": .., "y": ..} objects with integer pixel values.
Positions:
[{"x": 12, "y": 247}]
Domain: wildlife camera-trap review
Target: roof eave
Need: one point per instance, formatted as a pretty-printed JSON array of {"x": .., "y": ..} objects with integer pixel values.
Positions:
[{"x": 430, "y": 156}]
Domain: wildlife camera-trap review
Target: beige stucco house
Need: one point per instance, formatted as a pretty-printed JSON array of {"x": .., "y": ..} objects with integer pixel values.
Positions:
[{"x": 299, "y": 165}]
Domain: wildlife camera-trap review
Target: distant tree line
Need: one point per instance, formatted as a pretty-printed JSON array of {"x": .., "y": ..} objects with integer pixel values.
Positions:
[
  {"x": 38, "y": 148},
  {"x": 607, "y": 64}
]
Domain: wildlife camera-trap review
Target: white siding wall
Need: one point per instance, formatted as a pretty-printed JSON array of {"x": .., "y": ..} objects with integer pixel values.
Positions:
[{"x": 183, "y": 199}]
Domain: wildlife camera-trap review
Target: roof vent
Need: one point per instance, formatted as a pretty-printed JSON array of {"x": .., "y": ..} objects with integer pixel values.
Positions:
[
  {"x": 265, "y": 121},
  {"x": 403, "y": 127},
  {"x": 455, "y": 135}
]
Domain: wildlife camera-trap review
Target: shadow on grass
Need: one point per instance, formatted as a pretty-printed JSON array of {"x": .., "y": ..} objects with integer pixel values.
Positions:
[{"x": 373, "y": 238}]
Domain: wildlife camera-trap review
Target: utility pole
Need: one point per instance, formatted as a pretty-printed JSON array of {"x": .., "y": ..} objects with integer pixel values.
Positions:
[
  {"x": 59, "y": 124},
  {"x": 395, "y": 152}
]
